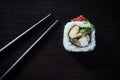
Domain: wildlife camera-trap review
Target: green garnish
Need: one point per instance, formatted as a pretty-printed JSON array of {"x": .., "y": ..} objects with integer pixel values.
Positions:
[
  {"x": 92, "y": 26},
  {"x": 85, "y": 31},
  {"x": 87, "y": 21}
]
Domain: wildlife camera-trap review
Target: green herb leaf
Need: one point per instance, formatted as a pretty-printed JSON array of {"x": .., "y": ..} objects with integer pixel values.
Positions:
[
  {"x": 87, "y": 21},
  {"x": 92, "y": 26},
  {"x": 85, "y": 31}
]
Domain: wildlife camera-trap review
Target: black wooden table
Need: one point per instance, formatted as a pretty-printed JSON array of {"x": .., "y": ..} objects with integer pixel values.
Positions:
[{"x": 49, "y": 60}]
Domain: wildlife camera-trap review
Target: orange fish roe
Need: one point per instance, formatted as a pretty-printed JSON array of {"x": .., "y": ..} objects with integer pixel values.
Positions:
[{"x": 79, "y": 18}]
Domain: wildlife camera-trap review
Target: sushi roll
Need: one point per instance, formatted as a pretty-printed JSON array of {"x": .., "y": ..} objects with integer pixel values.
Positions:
[{"x": 79, "y": 35}]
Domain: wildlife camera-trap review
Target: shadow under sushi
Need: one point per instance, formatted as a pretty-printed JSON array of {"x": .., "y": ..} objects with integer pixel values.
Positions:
[{"x": 100, "y": 58}]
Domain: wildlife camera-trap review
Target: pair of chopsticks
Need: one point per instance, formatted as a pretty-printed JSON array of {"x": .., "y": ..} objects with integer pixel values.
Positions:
[{"x": 27, "y": 51}]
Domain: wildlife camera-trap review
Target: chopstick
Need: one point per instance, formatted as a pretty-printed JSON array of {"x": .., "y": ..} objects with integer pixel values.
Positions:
[
  {"x": 26, "y": 52},
  {"x": 22, "y": 34}
]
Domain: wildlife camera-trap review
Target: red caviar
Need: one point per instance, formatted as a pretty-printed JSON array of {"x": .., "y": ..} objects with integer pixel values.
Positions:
[{"x": 79, "y": 18}]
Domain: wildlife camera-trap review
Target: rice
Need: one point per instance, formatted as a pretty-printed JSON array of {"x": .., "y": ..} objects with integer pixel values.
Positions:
[{"x": 73, "y": 48}]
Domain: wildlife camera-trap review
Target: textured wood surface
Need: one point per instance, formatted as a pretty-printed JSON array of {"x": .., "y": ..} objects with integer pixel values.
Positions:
[{"x": 49, "y": 60}]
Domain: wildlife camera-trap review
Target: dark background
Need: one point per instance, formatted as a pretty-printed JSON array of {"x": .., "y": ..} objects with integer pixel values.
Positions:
[{"x": 49, "y": 60}]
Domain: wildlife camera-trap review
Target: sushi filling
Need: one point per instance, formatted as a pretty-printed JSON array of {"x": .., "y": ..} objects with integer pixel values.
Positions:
[{"x": 80, "y": 36}]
